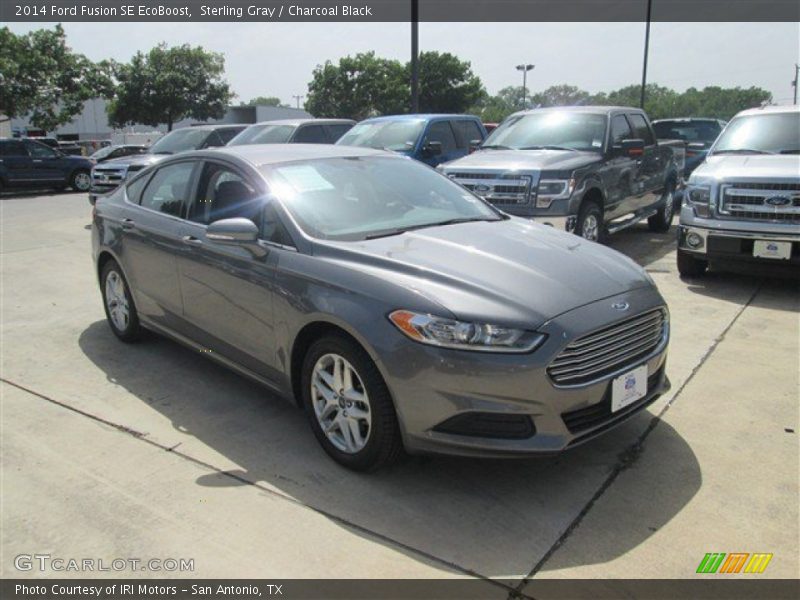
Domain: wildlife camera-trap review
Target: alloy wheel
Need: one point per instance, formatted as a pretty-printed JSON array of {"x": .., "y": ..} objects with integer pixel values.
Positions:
[
  {"x": 590, "y": 228},
  {"x": 82, "y": 182},
  {"x": 117, "y": 301}
]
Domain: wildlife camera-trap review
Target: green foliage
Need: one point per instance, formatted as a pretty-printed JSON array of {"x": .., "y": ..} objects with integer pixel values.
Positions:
[
  {"x": 446, "y": 84},
  {"x": 264, "y": 101},
  {"x": 169, "y": 84},
  {"x": 41, "y": 76}
]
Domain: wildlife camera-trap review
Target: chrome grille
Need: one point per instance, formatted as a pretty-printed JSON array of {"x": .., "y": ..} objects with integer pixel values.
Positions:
[
  {"x": 610, "y": 349},
  {"x": 497, "y": 188},
  {"x": 774, "y": 202},
  {"x": 107, "y": 179}
]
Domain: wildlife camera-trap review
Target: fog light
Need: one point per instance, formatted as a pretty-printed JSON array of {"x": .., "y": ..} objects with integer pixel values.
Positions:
[{"x": 694, "y": 240}]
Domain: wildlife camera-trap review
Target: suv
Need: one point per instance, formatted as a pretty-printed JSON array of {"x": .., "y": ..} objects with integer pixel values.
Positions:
[
  {"x": 588, "y": 169},
  {"x": 743, "y": 202},
  {"x": 27, "y": 163},
  {"x": 432, "y": 139},
  {"x": 294, "y": 131},
  {"x": 106, "y": 177}
]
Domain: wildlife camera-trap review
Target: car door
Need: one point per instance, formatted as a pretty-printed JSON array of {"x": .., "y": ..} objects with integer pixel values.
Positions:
[
  {"x": 47, "y": 164},
  {"x": 151, "y": 240},
  {"x": 16, "y": 164},
  {"x": 651, "y": 166},
  {"x": 441, "y": 131},
  {"x": 227, "y": 289},
  {"x": 621, "y": 173}
]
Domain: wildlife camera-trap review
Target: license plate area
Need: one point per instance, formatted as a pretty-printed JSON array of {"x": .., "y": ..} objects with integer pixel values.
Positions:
[
  {"x": 774, "y": 250},
  {"x": 628, "y": 388}
]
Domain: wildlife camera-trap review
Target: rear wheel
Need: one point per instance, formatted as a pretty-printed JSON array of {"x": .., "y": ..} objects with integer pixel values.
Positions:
[
  {"x": 349, "y": 406},
  {"x": 662, "y": 220},
  {"x": 80, "y": 181},
  {"x": 118, "y": 303},
  {"x": 590, "y": 224},
  {"x": 691, "y": 266}
]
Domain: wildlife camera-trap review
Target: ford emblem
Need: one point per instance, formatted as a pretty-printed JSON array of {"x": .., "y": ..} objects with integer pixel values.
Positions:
[
  {"x": 482, "y": 189},
  {"x": 778, "y": 201},
  {"x": 620, "y": 306}
]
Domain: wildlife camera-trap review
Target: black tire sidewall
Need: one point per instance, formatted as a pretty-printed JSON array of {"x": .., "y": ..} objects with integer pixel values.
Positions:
[
  {"x": 689, "y": 265},
  {"x": 131, "y": 333},
  {"x": 382, "y": 446}
]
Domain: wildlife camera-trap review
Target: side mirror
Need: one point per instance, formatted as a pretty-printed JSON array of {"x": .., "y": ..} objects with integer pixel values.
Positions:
[
  {"x": 432, "y": 149},
  {"x": 474, "y": 145},
  {"x": 633, "y": 147},
  {"x": 233, "y": 231},
  {"x": 693, "y": 148}
]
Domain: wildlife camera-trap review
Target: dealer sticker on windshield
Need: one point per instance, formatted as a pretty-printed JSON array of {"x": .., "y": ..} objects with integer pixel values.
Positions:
[{"x": 628, "y": 388}]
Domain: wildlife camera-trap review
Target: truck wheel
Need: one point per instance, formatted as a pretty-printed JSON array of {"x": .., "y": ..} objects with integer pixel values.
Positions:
[
  {"x": 690, "y": 266},
  {"x": 662, "y": 220},
  {"x": 590, "y": 224},
  {"x": 80, "y": 181}
]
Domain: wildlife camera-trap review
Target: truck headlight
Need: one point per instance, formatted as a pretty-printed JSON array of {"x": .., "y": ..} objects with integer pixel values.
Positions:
[
  {"x": 553, "y": 189},
  {"x": 460, "y": 335},
  {"x": 699, "y": 197}
]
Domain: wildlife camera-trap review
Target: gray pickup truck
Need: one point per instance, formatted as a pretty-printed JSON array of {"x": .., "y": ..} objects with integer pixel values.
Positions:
[
  {"x": 743, "y": 202},
  {"x": 592, "y": 170}
]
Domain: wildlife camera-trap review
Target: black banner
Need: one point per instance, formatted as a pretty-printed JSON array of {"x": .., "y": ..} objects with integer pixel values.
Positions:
[{"x": 399, "y": 10}]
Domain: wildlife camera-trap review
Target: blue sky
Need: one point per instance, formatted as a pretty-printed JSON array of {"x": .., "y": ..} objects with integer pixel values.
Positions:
[{"x": 276, "y": 59}]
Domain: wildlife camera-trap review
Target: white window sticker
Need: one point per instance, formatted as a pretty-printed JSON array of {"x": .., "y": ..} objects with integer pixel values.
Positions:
[{"x": 305, "y": 178}]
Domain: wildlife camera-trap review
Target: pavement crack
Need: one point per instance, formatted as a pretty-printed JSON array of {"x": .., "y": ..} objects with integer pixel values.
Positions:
[{"x": 628, "y": 457}]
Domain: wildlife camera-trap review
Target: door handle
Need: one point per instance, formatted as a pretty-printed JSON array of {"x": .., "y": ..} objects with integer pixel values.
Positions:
[
  {"x": 190, "y": 240},
  {"x": 128, "y": 224}
]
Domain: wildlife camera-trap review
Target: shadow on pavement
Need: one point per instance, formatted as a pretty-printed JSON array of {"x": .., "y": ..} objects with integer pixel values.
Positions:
[
  {"x": 494, "y": 518},
  {"x": 644, "y": 246}
]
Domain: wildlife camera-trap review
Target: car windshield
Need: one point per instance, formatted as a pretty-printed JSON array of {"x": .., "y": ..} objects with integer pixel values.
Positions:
[
  {"x": 351, "y": 199},
  {"x": 688, "y": 131},
  {"x": 263, "y": 134},
  {"x": 103, "y": 152},
  {"x": 551, "y": 129},
  {"x": 399, "y": 136},
  {"x": 180, "y": 141},
  {"x": 767, "y": 133}
]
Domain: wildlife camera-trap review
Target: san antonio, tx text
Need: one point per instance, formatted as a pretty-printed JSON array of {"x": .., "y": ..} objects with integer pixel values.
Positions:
[{"x": 139, "y": 590}]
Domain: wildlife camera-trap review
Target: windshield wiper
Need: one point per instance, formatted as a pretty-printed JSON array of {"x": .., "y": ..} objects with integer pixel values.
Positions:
[
  {"x": 495, "y": 147},
  {"x": 742, "y": 151},
  {"x": 790, "y": 151},
  {"x": 548, "y": 147},
  {"x": 400, "y": 230}
]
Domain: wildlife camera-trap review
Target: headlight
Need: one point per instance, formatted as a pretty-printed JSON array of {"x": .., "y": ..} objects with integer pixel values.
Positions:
[
  {"x": 448, "y": 333},
  {"x": 699, "y": 197},
  {"x": 553, "y": 189}
]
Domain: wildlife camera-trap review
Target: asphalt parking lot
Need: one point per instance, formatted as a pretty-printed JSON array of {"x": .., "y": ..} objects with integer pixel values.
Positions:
[{"x": 151, "y": 450}]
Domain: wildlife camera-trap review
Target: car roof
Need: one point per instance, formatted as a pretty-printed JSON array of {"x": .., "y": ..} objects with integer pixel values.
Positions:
[
  {"x": 785, "y": 108},
  {"x": 271, "y": 154},
  {"x": 597, "y": 110},
  {"x": 304, "y": 121},
  {"x": 214, "y": 126},
  {"x": 421, "y": 117},
  {"x": 687, "y": 120}
]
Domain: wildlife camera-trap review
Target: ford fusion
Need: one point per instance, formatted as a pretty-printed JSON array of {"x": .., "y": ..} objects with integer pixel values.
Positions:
[{"x": 401, "y": 311}]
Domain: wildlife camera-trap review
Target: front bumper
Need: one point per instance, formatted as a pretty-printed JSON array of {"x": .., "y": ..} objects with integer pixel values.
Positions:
[
  {"x": 433, "y": 386},
  {"x": 562, "y": 223}
]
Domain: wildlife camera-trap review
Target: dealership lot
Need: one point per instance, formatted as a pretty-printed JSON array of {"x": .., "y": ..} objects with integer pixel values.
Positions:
[{"x": 152, "y": 451}]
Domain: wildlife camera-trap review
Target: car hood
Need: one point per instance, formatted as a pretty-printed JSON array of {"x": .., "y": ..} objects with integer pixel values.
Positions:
[
  {"x": 513, "y": 272},
  {"x": 534, "y": 160},
  {"x": 755, "y": 166},
  {"x": 138, "y": 160}
]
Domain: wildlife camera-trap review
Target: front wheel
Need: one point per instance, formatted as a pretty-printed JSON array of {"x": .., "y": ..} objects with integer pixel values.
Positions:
[
  {"x": 118, "y": 303},
  {"x": 349, "y": 406},
  {"x": 80, "y": 181},
  {"x": 662, "y": 220},
  {"x": 691, "y": 266},
  {"x": 590, "y": 224}
]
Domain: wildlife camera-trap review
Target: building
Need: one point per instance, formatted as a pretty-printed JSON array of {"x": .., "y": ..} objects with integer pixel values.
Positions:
[{"x": 92, "y": 122}]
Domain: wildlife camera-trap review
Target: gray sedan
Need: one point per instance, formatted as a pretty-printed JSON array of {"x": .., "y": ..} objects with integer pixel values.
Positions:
[{"x": 401, "y": 311}]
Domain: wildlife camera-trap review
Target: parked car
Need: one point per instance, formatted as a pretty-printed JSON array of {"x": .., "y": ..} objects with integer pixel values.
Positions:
[
  {"x": 589, "y": 170},
  {"x": 697, "y": 134},
  {"x": 743, "y": 202},
  {"x": 398, "y": 309},
  {"x": 71, "y": 148},
  {"x": 432, "y": 139},
  {"x": 113, "y": 152},
  {"x": 294, "y": 131},
  {"x": 28, "y": 163},
  {"x": 107, "y": 176},
  {"x": 490, "y": 127}
]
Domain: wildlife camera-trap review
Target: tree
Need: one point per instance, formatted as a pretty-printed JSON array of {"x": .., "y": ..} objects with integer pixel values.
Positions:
[
  {"x": 446, "y": 84},
  {"x": 169, "y": 84},
  {"x": 493, "y": 109},
  {"x": 264, "y": 101},
  {"x": 560, "y": 95},
  {"x": 41, "y": 76},
  {"x": 359, "y": 86}
]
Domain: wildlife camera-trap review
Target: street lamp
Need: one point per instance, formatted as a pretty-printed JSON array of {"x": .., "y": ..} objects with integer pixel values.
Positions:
[
  {"x": 297, "y": 98},
  {"x": 524, "y": 69}
]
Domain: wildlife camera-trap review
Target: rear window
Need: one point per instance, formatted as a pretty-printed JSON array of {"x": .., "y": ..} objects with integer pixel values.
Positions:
[
  {"x": 263, "y": 134},
  {"x": 691, "y": 131}
]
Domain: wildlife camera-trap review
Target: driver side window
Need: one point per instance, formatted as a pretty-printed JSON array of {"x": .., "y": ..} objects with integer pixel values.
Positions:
[
  {"x": 620, "y": 130},
  {"x": 224, "y": 194},
  {"x": 38, "y": 150}
]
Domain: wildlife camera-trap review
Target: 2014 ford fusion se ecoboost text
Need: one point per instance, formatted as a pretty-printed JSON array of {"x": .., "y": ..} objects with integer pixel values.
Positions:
[{"x": 399, "y": 309}]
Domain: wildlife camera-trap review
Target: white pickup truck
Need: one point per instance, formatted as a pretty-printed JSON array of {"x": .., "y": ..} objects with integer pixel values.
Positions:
[{"x": 743, "y": 202}]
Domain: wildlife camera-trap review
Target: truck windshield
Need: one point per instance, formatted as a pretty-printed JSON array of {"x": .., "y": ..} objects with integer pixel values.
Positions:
[
  {"x": 399, "y": 136},
  {"x": 354, "y": 199},
  {"x": 180, "y": 141},
  {"x": 767, "y": 133},
  {"x": 564, "y": 129},
  {"x": 263, "y": 134}
]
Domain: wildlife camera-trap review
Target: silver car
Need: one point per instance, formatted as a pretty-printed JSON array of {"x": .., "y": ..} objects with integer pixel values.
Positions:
[{"x": 401, "y": 311}]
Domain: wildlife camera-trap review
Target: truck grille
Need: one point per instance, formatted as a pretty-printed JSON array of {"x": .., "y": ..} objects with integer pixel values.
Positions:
[
  {"x": 106, "y": 180},
  {"x": 610, "y": 349},
  {"x": 773, "y": 202},
  {"x": 497, "y": 188}
]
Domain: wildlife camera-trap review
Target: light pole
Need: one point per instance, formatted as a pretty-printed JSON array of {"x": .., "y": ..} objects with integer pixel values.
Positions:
[
  {"x": 297, "y": 98},
  {"x": 414, "y": 56},
  {"x": 646, "y": 52},
  {"x": 524, "y": 69},
  {"x": 795, "y": 82}
]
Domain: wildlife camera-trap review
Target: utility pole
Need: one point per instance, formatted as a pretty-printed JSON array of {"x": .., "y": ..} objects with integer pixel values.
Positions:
[
  {"x": 646, "y": 51},
  {"x": 524, "y": 69},
  {"x": 796, "y": 77},
  {"x": 297, "y": 98},
  {"x": 414, "y": 56}
]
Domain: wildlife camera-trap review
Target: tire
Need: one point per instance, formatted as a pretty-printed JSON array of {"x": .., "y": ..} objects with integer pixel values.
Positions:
[
  {"x": 80, "y": 181},
  {"x": 662, "y": 220},
  {"x": 366, "y": 439},
  {"x": 590, "y": 224},
  {"x": 690, "y": 266},
  {"x": 121, "y": 316}
]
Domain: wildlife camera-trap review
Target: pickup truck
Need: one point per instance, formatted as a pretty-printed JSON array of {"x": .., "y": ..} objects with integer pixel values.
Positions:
[
  {"x": 743, "y": 202},
  {"x": 591, "y": 170},
  {"x": 697, "y": 134}
]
